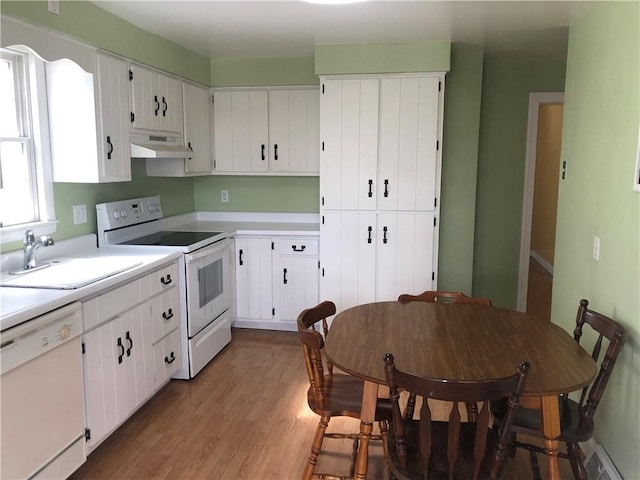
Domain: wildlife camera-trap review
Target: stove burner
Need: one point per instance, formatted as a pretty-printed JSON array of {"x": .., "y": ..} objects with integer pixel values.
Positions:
[{"x": 172, "y": 239}]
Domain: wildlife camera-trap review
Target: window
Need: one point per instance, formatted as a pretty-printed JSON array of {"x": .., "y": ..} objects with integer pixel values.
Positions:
[{"x": 26, "y": 193}]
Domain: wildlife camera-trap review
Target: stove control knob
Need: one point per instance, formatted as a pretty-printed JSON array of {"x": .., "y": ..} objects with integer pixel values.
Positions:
[
  {"x": 65, "y": 331},
  {"x": 150, "y": 208},
  {"x": 116, "y": 214},
  {"x": 123, "y": 213}
]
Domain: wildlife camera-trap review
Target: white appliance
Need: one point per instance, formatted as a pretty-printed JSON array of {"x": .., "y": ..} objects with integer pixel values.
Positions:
[
  {"x": 204, "y": 273},
  {"x": 41, "y": 396}
]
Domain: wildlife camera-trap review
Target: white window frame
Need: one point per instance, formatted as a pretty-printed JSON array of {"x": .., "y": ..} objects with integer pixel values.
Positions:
[{"x": 40, "y": 151}]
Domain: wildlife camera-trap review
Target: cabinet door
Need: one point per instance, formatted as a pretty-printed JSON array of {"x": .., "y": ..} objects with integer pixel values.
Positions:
[
  {"x": 254, "y": 278},
  {"x": 113, "y": 87},
  {"x": 171, "y": 115},
  {"x": 347, "y": 258},
  {"x": 241, "y": 131},
  {"x": 296, "y": 277},
  {"x": 145, "y": 104},
  {"x": 349, "y": 143},
  {"x": 293, "y": 130},
  {"x": 404, "y": 256},
  {"x": 197, "y": 128},
  {"x": 165, "y": 314},
  {"x": 408, "y": 143}
]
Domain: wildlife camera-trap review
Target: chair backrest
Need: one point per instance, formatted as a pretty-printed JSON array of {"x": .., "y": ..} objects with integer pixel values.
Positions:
[
  {"x": 313, "y": 343},
  {"x": 444, "y": 297},
  {"x": 456, "y": 392},
  {"x": 616, "y": 335}
]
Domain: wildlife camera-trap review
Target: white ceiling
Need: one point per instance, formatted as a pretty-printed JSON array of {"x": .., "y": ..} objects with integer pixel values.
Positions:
[{"x": 264, "y": 29}]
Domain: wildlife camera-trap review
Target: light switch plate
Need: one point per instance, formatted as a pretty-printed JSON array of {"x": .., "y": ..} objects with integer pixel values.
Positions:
[
  {"x": 224, "y": 196},
  {"x": 79, "y": 214}
]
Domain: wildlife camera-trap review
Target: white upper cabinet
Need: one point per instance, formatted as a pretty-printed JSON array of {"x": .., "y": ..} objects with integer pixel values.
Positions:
[
  {"x": 266, "y": 130},
  {"x": 197, "y": 128},
  {"x": 156, "y": 101},
  {"x": 294, "y": 130},
  {"x": 89, "y": 120}
]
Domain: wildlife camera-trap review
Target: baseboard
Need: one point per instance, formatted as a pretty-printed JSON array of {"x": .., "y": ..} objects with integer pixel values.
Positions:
[
  {"x": 597, "y": 462},
  {"x": 543, "y": 263}
]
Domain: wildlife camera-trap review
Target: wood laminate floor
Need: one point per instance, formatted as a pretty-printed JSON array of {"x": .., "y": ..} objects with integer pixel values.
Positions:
[{"x": 243, "y": 417}]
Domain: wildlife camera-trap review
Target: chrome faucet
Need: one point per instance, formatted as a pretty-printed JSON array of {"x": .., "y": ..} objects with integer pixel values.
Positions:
[{"x": 31, "y": 247}]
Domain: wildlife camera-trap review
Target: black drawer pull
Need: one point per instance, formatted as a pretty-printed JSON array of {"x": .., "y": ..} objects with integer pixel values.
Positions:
[
  {"x": 370, "y": 188},
  {"x": 262, "y": 152},
  {"x": 130, "y": 340},
  {"x": 168, "y": 315},
  {"x": 121, "y": 348},
  {"x": 369, "y": 229},
  {"x": 275, "y": 151},
  {"x": 386, "y": 188},
  {"x": 155, "y": 100},
  {"x": 240, "y": 257},
  {"x": 296, "y": 249},
  {"x": 166, "y": 280},
  {"x": 284, "y": 276},
  {"x": 166, "y": 107},
  {"x": 110, "y": 147},
  {"x": 384, "y": 234},
  {"x": 170, "y": 359}
]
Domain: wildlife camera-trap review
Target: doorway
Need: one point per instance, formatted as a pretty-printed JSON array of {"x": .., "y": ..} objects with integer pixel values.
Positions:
[{"x": 542, "y": 168}]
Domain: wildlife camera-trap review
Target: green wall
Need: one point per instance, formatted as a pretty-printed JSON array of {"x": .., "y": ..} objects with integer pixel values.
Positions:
[
  {"x": 599, "y": 143},
  {"x": 263, "y": 71},
  {"x": 503, "y": 135},
  {"x": 459, "y": 169}
]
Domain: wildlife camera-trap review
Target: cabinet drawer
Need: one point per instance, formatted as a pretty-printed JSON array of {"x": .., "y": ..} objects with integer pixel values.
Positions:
[
  {"x": 110, "y": 304},
  {"x": 298, "y": 246},
  {"x": 167, "y": 357},
  {"x": 163, "y": 279},
  {"x": 165, "y": 313}
]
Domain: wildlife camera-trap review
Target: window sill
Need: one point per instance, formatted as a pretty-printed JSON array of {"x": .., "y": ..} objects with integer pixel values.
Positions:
[{"x": 16, "y": 232}]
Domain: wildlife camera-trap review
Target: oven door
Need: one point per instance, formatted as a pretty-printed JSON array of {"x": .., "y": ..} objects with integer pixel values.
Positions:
[{"x": 208, "y": 290}]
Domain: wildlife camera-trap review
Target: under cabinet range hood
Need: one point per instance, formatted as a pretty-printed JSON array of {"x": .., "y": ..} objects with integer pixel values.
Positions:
[{"x": 158, "y": 146}]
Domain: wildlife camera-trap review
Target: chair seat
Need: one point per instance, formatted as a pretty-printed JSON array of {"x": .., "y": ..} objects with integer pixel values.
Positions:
[
  {"x": 438, "y": 468},
  {"x": 343, "y": 397},
  {"x": 529, "y": 420}
]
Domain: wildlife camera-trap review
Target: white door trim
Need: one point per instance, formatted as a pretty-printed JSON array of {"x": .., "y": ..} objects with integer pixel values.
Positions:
[{"x": 535, "y": 100}]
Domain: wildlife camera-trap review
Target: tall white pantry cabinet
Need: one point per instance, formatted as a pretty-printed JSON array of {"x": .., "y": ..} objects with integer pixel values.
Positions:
[{"x": 380, "y": 163}]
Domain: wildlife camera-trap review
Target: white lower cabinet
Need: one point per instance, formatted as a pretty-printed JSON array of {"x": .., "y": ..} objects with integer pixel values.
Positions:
[
  {"x": 129, "y": 332},
  {"x": 368, "y": 257},
  {"x": 276, "y": 278}
]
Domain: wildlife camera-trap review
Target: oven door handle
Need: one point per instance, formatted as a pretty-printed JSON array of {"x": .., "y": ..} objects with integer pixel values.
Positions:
[{"x": 207, "y": 251}]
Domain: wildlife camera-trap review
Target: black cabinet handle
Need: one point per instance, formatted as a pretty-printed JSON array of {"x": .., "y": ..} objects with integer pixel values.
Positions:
[
  {"x": 370, "y": 188},
  {"x": 121, "y": 348},
  {"x": 240, "y": 262},
  {"x": 168, "y": 315},
  {"x": 170, "y": 359},
  {"x": 110, "y": 151},
  {"x": 262, "y": 151},
  {"x": 284, "y": 276},
  {"x": 386, "y": 188},
  {"x": 127, "y": 337},
  {"x": 275, "y": 151},
  {"x": 296, "y": 249},
  {"x": 155, "y": 99},
  {"x": 189, "y": 146},
  {"x": 166, "y": 280},
  {"x": 164, "y": 112},
  {"x": 384, "y": 234},
  {"x": 369, "y": 229}
]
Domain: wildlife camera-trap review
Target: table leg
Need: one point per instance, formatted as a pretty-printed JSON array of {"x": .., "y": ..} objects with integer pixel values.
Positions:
[
  {"x": 367, "y": 417},
  {"x": 551, "y": 432}
]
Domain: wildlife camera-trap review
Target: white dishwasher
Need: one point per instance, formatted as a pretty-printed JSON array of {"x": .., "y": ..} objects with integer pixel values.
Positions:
[{"x": 41, "y": 396}]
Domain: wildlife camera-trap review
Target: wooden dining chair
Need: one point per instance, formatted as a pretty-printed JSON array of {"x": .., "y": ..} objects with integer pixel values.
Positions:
[
  {"x": 331, "y": 395},
  {"x": 441, "y": 296},
  {"x": 444, "y": 297},
  {"x": 426, "y": 449},
  {"x": 576, "y": 417}
]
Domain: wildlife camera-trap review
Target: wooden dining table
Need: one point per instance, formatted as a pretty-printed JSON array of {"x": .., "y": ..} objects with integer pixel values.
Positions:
[{"x": 458, "y": 342}]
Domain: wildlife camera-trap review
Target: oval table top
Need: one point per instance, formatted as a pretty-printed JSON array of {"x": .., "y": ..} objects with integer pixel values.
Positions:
[{"x": 457, "y": 342}]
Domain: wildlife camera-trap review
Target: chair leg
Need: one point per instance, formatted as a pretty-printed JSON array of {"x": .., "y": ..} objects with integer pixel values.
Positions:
[
  {"x": 575, "y": 457},
  {"x": 315, "y": 448}
]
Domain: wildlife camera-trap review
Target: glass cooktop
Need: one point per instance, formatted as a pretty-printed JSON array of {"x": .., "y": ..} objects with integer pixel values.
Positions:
[{"x": 172, "y": 239}]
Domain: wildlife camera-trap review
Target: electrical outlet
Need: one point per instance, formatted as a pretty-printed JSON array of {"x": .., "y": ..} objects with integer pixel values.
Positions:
[
  {"x": 224, "y": 196},
  {"x": 54, "y": 6},
  {"x": 79, "y": 214},
  {"x": 596, "y": 248}
]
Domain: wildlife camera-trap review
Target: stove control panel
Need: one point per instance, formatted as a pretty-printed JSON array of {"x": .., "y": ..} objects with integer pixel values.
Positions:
[{"x": 125, "y": 213}]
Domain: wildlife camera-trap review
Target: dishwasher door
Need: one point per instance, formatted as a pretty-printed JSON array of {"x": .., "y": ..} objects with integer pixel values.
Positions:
[{"x": 41, "y": 397}]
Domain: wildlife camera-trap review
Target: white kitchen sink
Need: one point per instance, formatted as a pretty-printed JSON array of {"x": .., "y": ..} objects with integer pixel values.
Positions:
[{"x": 70, "y": 273}]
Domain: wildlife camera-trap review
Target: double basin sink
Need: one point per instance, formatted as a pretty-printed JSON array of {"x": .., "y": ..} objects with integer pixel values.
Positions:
[{"x": 69, "y": 273}]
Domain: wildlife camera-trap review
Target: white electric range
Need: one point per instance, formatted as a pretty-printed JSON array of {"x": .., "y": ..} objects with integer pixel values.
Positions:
[{"x": 204, "y": 273}]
